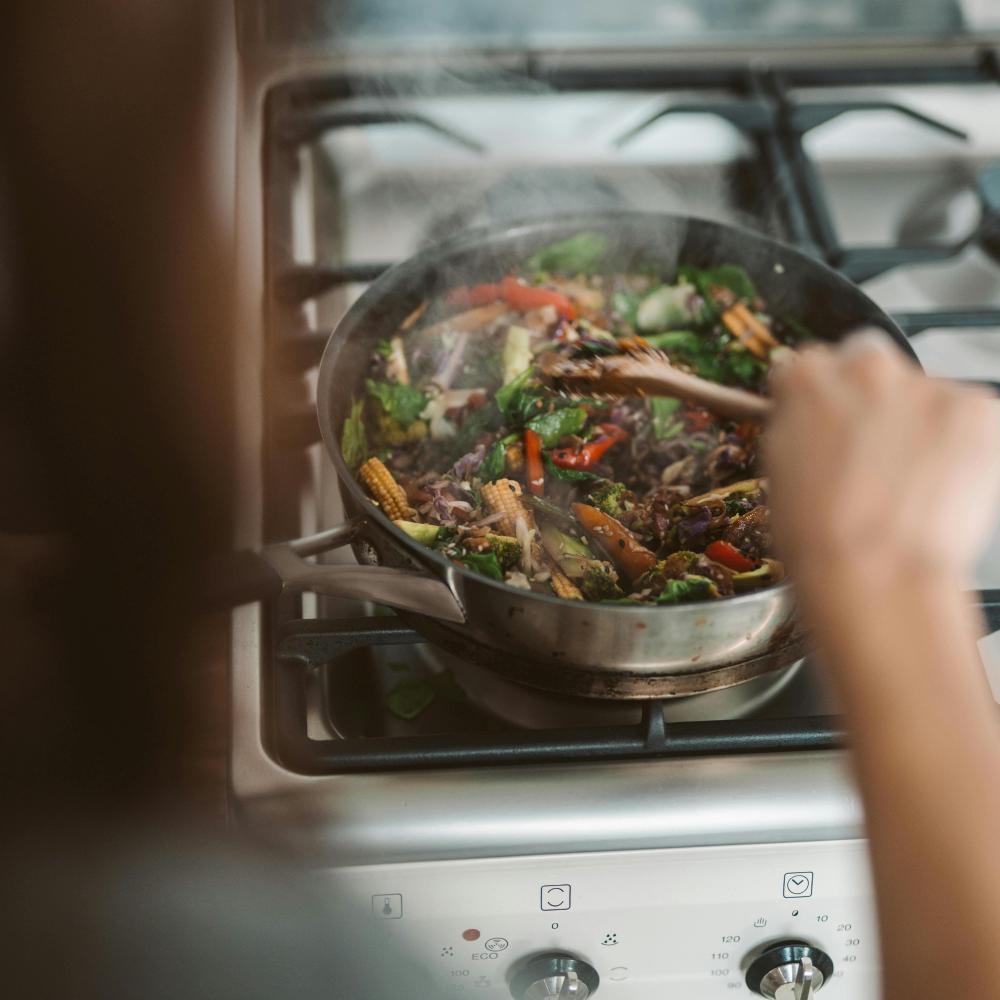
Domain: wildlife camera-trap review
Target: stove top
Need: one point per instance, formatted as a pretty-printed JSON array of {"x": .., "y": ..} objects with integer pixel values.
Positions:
[
  {"x": 894, "y": 180},
  {"x": 485, "y": 829}
]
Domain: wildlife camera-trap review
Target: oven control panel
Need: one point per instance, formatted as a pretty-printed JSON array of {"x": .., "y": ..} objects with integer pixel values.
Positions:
[{"x": 706, "y": 923}]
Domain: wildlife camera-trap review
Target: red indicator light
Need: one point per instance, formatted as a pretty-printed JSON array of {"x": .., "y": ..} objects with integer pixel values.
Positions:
[{"x": 471, "y": 934}]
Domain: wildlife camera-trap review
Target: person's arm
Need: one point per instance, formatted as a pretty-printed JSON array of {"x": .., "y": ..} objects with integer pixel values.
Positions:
[{"x": 885, "y": 485}]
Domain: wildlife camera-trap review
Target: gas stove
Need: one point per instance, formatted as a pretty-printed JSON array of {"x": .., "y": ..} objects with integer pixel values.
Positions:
[{"x": 504, "y": 837}]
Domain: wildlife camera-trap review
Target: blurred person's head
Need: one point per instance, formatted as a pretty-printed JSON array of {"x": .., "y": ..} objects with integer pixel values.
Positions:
[{"x": 114, "y": 387}]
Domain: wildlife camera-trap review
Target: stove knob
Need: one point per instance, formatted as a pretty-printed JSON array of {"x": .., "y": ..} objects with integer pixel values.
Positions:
[
  {"x": 554, "y": 975},
  {"x": 789, "y": 970}
]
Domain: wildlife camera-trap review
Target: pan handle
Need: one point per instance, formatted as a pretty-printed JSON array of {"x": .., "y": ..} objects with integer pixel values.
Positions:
[{"x": 242, "y": 577}]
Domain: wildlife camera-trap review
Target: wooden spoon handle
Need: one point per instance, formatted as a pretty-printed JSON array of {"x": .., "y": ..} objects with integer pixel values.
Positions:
[{"x": 658, "y": 378}]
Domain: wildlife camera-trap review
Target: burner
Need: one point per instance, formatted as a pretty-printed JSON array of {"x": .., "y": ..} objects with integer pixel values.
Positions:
[
  {"x": 362, "y": 692},
  {"x": 529, "y": 708}
]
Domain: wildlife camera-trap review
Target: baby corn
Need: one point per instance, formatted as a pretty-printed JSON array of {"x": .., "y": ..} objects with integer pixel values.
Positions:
[
  {"x": 563, "y": 585},
  {"x": 504, "y": 497},
  {"x": 389, "y": 495}
]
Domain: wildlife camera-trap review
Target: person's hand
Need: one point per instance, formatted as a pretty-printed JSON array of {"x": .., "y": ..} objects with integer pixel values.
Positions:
[{"x": 877, "y": 470}]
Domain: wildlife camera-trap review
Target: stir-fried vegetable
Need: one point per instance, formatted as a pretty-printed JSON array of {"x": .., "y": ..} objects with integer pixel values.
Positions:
[
  {"x": 515, "y": 294},
  {"x": 464, "y": 444},
  {"x": 533, "y": 460},
  {"x": 401, "y": 402},
  {"x": 353, "y": 440},
  {"x": 579, "y": 254},
  {"x": 728, "y": 555},
  {"x": 517, "y": 356},
  {"x": 590, "y": 453},
  {"x": 610, "y": 497},
  {"x": 621, "y": 546}
]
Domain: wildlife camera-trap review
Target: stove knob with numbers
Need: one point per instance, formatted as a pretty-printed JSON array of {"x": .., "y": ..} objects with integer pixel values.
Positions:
[
  {"x": 554, "y": 975},
  {"x": 789, "y": 970}
]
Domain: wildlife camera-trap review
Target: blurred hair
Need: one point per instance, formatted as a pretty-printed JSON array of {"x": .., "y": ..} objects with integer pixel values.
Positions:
[{"x": 115, "y": 396}]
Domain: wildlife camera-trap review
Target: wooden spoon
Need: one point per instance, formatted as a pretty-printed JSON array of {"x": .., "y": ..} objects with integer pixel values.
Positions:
[{"x": 650, "y": 373}]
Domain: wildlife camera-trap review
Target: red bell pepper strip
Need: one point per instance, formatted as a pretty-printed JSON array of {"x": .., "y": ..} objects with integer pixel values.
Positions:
[
  {"x": 729, "y": 556},
  {"x": 526, "y": 297},
  {"x": 533, "y": 462},
  {"x": 523, "y": 298},
  {"x": 589, "y": 454},
  {"x": 698, "y": 418},
  {"x": 470, "y": 296}
]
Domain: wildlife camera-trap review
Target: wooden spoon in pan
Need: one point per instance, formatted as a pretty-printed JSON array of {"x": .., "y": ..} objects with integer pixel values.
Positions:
[{"x": 647, "y": 372}]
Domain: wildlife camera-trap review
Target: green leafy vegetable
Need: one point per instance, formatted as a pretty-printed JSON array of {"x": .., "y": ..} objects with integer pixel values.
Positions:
[
  {"x": 696, "y": 350},
  {"x": 709, "y": 358},
  {"x": 485, "y": 563},
  {"x": 493, "y": 465},
  {"x": 401, "y": 402},
  {"x": 409, "y": 698},
  {"x": 666, "y": 422},
  {"x": 579, "y": 254},
  {"x": 510, "y": 394},
  {"x": 688, "y": 588},
  {"x": 495, "y": 462},
  {"x": 676, "y": 340},
  {"x": 625, "y": 305},
  {"x": 478, "y": 422},
  {"x": 550, "y": 427},
  {"x": 523, "y": 399},
  {"x": 353, "y": 441},
  {"x": 743, "y": 367},
  {"x": 384, "y": 348},
  {"x": 728, "y": 276},
  {"x": 567, "y": 475}
]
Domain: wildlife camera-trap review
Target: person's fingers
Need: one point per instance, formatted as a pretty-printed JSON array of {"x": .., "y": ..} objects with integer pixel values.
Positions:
[
  {"x": 786, "y": 367},
  {"x": 872, "y": 362}
]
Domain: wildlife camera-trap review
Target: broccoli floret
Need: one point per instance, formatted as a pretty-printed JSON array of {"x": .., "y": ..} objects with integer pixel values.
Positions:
[
  {"x": 599, "y": 581},
  {"x": 690, "y": 587},
  {"x": 506, "y": 549},
  {"x": 610, "y": 497}
]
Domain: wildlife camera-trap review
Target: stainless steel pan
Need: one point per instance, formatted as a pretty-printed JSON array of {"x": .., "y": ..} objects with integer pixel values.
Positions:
[{"x": 600, "y": 650}]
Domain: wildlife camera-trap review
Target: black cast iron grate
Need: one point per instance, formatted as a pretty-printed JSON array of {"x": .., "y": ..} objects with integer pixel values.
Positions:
[{"x": 762, "y": 105}]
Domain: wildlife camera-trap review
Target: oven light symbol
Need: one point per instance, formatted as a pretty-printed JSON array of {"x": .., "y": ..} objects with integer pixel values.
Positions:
[{"x": 388, "y": 906}]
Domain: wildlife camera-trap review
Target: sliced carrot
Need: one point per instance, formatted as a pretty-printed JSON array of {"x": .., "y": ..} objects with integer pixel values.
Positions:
[{"x": 621, "y": 546}]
